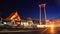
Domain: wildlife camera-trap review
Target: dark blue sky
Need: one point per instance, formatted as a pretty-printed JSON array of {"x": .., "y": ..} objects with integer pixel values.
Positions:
[{"x": 29, "y": 8}]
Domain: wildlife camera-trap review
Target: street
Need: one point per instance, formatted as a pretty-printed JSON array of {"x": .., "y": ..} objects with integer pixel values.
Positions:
[{"x": 40, "y": 31}]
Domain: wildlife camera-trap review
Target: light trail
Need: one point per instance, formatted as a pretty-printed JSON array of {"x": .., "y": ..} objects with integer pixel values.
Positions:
[
  {"x": 49, "y": 28},
  {"x": 43, "y": 31},
  {"x": 52, "y": 31}
]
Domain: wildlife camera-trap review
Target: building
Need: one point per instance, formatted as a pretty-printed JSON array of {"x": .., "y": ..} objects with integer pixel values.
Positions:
[
  {"x": 14, "y": 18},
  {"x": 24, "y": 23},
  {"x": 29, "y": 20}
]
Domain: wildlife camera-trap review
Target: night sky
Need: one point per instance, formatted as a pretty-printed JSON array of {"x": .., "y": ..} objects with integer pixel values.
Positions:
[{"x": 29, "y": 8}]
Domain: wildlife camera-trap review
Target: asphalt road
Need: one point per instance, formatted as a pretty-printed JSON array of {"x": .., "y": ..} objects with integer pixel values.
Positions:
[{"x": 55, "y": 30}]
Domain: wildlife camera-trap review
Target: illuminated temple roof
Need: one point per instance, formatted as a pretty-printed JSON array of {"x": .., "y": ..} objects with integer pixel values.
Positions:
[{"x": 13, "y": 16}]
